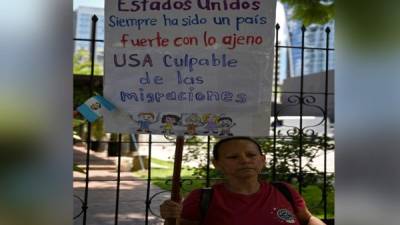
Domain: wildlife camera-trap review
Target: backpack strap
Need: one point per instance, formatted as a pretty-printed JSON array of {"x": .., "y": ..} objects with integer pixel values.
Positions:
[
  {"x": 285, "y": 191},
  {"x": 205, "y": 200}
]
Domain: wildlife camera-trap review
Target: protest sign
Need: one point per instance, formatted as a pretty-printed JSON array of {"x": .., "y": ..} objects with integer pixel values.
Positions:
[{"x": 197, "y": 67}]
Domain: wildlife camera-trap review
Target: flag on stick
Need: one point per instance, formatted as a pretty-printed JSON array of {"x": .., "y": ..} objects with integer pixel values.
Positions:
[{"x": 94, "y": 107}]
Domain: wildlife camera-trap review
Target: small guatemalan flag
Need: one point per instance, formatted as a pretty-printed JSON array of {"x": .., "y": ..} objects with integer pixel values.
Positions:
[{"x": 94, "y": 107}]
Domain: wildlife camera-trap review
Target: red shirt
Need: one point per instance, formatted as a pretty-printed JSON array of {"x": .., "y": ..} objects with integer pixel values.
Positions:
[{"x": 268, "y": 206}]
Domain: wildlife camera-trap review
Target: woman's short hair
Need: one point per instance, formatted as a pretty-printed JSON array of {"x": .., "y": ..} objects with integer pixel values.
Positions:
[{"x": 222, "y": 141}]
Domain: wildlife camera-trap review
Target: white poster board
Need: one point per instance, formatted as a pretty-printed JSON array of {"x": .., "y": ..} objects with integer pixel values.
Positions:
[{"x": 196, "y": 67}]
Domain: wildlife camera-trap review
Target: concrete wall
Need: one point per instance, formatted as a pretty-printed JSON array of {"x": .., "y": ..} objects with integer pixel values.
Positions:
[{"x": 313, "y": 86}]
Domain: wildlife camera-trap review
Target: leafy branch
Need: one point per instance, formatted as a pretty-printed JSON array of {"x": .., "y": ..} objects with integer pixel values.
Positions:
[{"x": 311, "y": 11}]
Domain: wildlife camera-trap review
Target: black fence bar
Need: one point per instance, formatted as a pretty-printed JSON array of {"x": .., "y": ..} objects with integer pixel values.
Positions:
[
  {"x": 92, "y": 52},
  {"x": 118, "y": 180},
  {"x": 324, "y": 193},
  {"x": 275, "y": 101},
  {"x": 300, "y": 176},
  {"x": 148, "y": 182},
  {"x": 208, "y": 161},
  {"x": 85, "y": 199}
]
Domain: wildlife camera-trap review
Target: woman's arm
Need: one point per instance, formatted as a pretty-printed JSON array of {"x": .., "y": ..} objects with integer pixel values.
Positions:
[
  {"x": 306, "y": 218},
  {"x": 171, "y": 209},
  {"x": 315, "y": 221},
  {"x": 302, "y": 213}
]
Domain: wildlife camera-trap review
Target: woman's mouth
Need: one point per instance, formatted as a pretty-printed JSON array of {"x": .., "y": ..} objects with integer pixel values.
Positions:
[{"x": 246, "y": 168}]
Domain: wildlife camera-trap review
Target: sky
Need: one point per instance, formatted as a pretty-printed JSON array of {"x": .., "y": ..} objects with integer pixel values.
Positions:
[{"x": 92, "y": 3}]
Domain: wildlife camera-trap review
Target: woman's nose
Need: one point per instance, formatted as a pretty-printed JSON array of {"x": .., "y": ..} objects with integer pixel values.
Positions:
[{"x": 244, "y": 158}]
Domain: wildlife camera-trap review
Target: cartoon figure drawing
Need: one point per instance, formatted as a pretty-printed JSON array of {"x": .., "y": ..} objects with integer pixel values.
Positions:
[
  {"x": 225, "y": 124},
  {"x": 144, "y": 120},
  {"x": 210, "y": 120},
  {"x": 168, "y": 121},
  {"x": 191, "y": 123}
]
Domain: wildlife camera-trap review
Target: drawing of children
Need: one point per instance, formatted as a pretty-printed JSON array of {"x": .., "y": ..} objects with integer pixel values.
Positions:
[
  {"x": 144, "y": 120},
  {"x": 225, "y": 124},
  {"x": 168, "y": 121},
  {"x": 210, "y": 120},
  {"x": 191, "y": 123}
]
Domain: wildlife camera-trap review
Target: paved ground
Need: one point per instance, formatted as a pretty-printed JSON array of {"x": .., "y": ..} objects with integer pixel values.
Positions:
[{"x": 102, "y": 193}]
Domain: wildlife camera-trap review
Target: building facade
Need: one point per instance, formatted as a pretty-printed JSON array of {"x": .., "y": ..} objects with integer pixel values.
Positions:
[
  {"x": 314, "y": 37},
  {"x": 83, "y": 28}
]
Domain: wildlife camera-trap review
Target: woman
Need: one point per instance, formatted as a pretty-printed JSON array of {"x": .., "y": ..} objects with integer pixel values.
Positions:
[{"x": 241, "y": 199}]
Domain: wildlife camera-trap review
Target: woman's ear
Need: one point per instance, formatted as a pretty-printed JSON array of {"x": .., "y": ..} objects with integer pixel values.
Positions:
[
  {"x": 264, "y": 160},
  {"x": 215, "y": 163},
  {"x": 217, "y": 167}
]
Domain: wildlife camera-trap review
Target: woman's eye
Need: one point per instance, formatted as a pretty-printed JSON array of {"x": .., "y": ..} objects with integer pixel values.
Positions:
[{"x": 232, "y": 157}]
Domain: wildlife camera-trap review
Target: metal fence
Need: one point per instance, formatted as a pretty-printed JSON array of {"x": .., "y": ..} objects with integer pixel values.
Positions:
[{"x": 298, "y": 135}]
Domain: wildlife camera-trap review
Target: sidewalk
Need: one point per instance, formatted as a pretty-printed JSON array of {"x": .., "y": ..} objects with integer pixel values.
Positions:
[{"x": 103, "y": 190}]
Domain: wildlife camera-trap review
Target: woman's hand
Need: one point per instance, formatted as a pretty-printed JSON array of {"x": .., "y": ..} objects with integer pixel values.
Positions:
[{"x": 170, "y": 209}]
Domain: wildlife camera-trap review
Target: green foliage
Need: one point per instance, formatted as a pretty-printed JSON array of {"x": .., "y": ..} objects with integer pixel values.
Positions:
[
  {"x": 77, "y": 122},
  {"x": 78, "y": 169},
  {"x": 287, "y": 152},
  {"x": 82, "y": 64},
  {"x": 77, "y": 130},
  {"x": 80, "y": 96},
  {"x": 312, "y": 194},
  {"x": 311, "y": 11},
  {"x": 370, "y": 30},
  {"x": 114, "y": 137},
  {"x": 98, "y": 129},
  {"x": 197, "y": 151}
]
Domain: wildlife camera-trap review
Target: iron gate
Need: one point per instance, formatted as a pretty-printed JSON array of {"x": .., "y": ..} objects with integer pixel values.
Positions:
[{"x": 300, "y": 99}]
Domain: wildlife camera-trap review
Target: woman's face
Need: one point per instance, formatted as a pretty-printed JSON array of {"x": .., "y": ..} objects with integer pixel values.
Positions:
[{"x": 239, "y": 159}]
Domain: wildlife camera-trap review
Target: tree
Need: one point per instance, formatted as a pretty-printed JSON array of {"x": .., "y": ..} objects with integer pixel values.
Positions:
[
  {"x": 197, "y": 151},
  {"x": 82, "y": 63},
  {"x": 312, "y": 11},
  {"x": 287, "y": 151}
]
